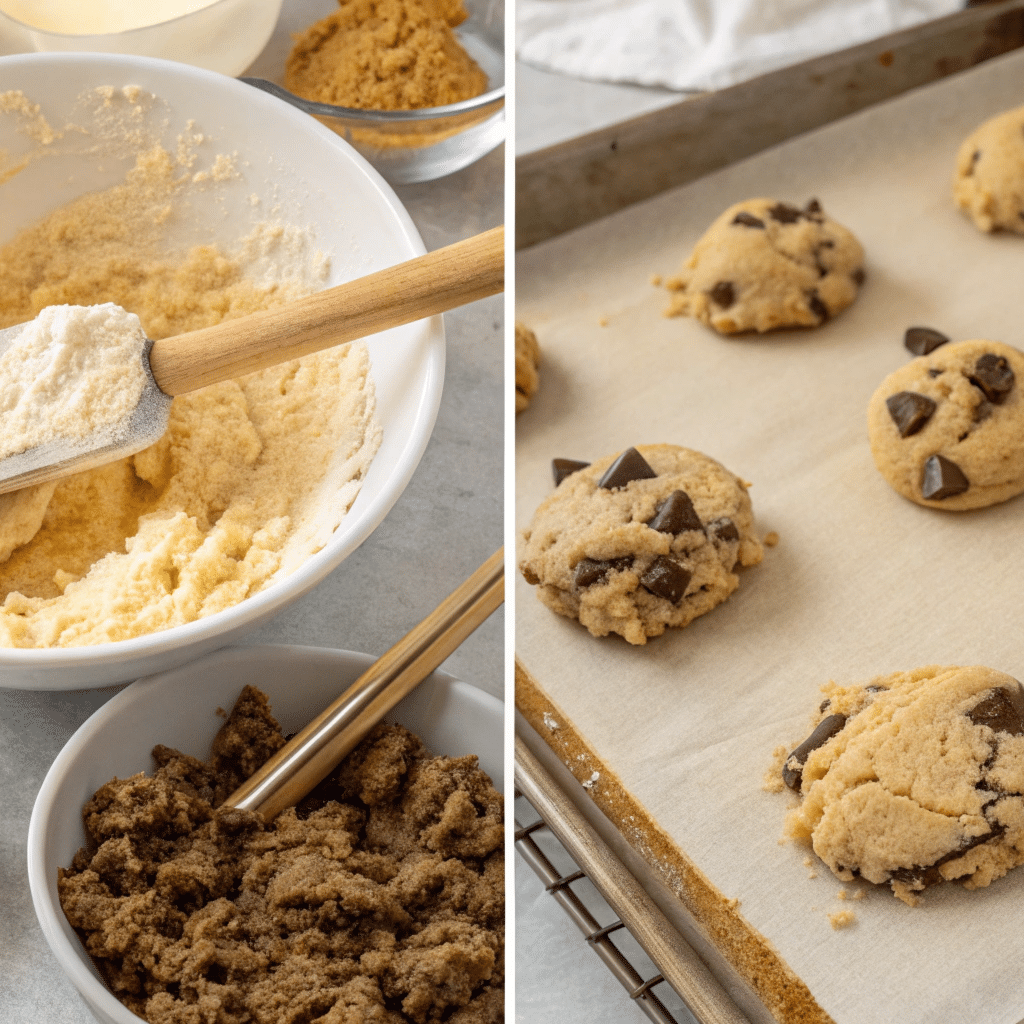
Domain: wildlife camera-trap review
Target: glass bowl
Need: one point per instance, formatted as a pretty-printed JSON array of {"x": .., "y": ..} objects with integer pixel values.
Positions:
[{"x": 408, "y": 146}]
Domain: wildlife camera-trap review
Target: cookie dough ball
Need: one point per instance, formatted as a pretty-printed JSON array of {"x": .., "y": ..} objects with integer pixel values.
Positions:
[
  {"x": 641, "y": 540},
  {"x": 915, "y": 778},
  {"x": 989, "y": 181},
  {"x": 527, "y": 361},
  {"x": 765, "y": 265},
  {"x": 946, "y": 429}
]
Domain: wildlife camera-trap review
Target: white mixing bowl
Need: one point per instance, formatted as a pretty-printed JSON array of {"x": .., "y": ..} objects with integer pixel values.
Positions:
[
  {"x": 309, "y": 178},
  {"x": 224, "y": 36},
  {"x": 178, "y": 709}
]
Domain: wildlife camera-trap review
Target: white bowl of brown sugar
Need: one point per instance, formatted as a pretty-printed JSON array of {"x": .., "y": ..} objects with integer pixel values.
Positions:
[
  {"x": 188, "y": 197},
  {"x": 339, "y": 891}
]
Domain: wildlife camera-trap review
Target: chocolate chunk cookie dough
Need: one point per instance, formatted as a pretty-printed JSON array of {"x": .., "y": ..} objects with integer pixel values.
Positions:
[
  {"x": 946, "y": 429},
  {"x": 527, "y": 361},
  {"x": 640, "y": 541},
  {"x": 765, "y": 265},
  {"x": 989, "y": 181},
  {"x": 915, "y": 778}
]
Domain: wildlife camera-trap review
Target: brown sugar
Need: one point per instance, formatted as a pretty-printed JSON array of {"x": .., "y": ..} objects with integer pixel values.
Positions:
[
  {"x": 385, "y": 55},
  {"x": 379, "y": 899}
]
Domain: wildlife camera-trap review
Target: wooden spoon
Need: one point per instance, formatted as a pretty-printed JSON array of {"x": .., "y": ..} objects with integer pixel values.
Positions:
[{"x": 444, "y": 279}]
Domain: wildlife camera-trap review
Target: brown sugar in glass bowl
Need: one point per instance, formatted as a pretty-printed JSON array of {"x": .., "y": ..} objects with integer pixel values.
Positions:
[
  {"x": 385, "y": 55},
  {"x": 415, "y": 99}
]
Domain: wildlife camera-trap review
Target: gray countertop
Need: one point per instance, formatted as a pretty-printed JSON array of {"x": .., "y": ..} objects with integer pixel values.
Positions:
[{"x": 445, "y": 524}]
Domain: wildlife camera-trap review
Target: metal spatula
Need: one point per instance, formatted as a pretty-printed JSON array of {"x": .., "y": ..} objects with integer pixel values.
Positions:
[{"x": 441, "y": 280}]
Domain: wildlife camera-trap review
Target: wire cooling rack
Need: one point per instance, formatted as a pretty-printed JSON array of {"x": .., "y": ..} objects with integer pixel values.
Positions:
[{"x": 679, "y": 976}]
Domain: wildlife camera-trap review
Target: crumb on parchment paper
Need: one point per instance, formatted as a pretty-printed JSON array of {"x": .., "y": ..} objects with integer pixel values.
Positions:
[
  {"x": 842, "y": 919},
  {"x": 772, "y": 780}
]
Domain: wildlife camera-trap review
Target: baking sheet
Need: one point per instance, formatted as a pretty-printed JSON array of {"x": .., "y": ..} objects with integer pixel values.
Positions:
[{"x": 862, "y": 581}]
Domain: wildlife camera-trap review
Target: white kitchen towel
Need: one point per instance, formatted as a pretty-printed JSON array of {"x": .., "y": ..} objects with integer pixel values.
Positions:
[{"x": 694, "y": 45}]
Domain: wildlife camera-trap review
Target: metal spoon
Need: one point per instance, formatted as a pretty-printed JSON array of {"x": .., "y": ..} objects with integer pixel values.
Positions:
[
  {"x": 313, "y": 753},
  {"x": 441, "y": 280}
]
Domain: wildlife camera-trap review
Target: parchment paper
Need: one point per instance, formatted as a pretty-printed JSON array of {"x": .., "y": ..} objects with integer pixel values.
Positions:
[{"x": 862, "y": 581}]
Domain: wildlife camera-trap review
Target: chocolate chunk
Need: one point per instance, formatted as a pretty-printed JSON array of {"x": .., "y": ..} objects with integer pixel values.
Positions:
[
  {"x": 923, "y": 340},
  {"x": 933, "y": 372},
  {"x": 561, "y": 468},
  {"x": 909, "y": 411},
  {"x": 982, "y": 411},
  {"x": 813, "y": 208},
  {"x": 818, "y": 308},
  {"x": 993, "y": 375},
  {"x": 999, "y": 712},
  {"x": 823, "y": 732},
  {"x": 529, "y": 575},
  {"x": 723, "y": 294},
  {"x": 917, "y": 878},
  {"x": 666, "y": 578},
  {"x": 974, "y": 161},
  {"x": 921, "y": 877},
  {"x": 676, "y": 514},
  {"x": 590, "y": 571},
  {"x": 784, "y": 213},
  {"x": 942, "y": 479},
  {"x": 858, "y": 276},
  {"x": 723, "y": 529},
  {"x": 630, "y": 465},
  {"x": 748, "y": 220}
]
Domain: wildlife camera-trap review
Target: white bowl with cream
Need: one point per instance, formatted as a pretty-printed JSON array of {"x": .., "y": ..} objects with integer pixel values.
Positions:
[
  {"x": 220, "y": 35},
  {"x": 309, "y": 178},
  {"x": 178, "y": 709}
]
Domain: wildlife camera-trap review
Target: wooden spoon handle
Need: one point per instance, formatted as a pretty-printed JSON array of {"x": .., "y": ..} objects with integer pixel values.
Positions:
[{"x": 468, "y": 270}]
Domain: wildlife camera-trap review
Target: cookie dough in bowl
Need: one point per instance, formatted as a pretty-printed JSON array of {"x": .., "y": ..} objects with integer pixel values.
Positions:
[
  {"x": 989, "y": 181},
  {"x": 946, "y": 429},
  {"x": 141, "y": 182},
  {"x": 764, "y": 265},
  {"x": 640, "y": 541},
  {"x": 914, "y": 778},
  {"x": 179, "y": 709}
]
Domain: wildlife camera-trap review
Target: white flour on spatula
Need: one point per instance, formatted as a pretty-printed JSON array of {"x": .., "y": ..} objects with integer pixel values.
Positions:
[{"x": 71, "y": 371}]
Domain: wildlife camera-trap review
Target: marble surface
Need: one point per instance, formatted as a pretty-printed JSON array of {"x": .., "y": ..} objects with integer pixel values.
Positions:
[{"x": 445, "y": 524}]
